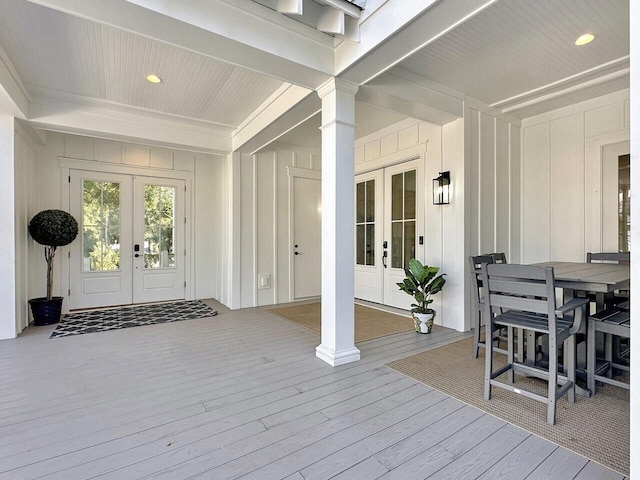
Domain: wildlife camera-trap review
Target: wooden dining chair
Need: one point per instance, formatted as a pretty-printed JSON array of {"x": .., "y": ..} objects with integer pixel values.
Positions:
[
  {"x": 526, "y": 297},
  {"x": 474, "y": 266}
]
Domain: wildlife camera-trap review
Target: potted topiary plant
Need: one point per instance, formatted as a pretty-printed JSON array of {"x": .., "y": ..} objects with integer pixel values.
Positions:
[
  {"x": 421, "y": 282},
  {"x": 53, "y": 229}
]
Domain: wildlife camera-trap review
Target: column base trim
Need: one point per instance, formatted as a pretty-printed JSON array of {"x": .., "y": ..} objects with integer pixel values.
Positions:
[{"x": 341, "y": 357}]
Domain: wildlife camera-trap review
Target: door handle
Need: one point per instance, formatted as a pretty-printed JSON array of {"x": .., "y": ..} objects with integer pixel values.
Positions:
[
  {"x": 137, "y": 255},
  {"x": 384, "y": 258},
  {"x": 297, "y": 253}
]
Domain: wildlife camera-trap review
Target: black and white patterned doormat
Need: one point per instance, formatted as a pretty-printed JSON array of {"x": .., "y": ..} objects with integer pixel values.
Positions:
[{"x": 134, "y": 316}]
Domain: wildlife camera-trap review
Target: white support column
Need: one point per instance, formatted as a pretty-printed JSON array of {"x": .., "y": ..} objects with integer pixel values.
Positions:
[
  {"x": 338, "y": 135},
  {"x": 7, "y": 232}
]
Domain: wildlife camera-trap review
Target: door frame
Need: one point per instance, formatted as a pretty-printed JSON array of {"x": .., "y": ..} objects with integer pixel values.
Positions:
[
  {"x": 67, "y": 164},
  {"x": 293, "y": 172}
]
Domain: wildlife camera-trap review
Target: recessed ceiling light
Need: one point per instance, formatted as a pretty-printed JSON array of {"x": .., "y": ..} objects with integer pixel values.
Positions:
[
  {"x": 584, "y": 39},
  {"x": 153, "y": 78}
]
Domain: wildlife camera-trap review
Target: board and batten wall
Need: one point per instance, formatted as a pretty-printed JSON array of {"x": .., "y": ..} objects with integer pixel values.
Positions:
[
  {"x": 265, "y": 248},
  {"x": 482, "y": 153},
  {"x": 18, "y": 253},
  {"x": 207, "y": 233},
  {"x": 562, "y": 177}
]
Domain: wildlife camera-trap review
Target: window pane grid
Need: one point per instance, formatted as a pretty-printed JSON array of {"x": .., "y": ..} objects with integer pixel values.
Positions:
[
  {"x": 365, "y": 223},
  {"x": 403, "y": 222}
]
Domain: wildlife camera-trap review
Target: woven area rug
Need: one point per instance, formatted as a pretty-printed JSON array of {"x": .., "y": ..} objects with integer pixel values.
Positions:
[
  {"x": 596, "y": 427},
  {"x": 369, "y": 322},
  {"x": 115, "y": 318}
]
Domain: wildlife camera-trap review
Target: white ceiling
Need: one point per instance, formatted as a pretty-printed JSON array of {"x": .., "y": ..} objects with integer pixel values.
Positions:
[
  {"x": 517, "y": 46},
  {"x": 57, "y": 54},
  {"x": 512, "y": 54}
]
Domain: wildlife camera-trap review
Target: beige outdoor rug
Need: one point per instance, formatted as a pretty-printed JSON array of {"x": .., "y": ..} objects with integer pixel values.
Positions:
[
  {"x": 369, "y": 322},
  {"x": 596, "y": 427}
]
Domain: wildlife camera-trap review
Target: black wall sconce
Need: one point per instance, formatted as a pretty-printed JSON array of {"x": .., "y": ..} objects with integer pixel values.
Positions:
[{"x": 441, "y": 188}]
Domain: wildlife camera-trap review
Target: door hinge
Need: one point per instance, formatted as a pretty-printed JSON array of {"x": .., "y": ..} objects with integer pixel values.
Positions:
[
  {"x": 69, "y": 179},
  {"x": 185, "y": 284},
  {"x": 185, "y": 189},
  {"x": 68, "y": 254},
  {"x": 69, "y": 292},
  {"x": 185, "y": 220}
]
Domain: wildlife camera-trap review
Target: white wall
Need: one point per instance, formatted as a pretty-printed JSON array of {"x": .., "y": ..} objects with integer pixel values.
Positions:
[
  {"x": 207, "y": 194},
  {"x": 28, "y": 254},
  {"x": 265, "y": 221},
  {"x": 561, "y": 177},
  {"x": 8, "y": 230}
]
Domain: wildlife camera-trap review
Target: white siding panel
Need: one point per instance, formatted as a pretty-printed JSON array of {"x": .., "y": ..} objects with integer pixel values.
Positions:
[
  {"x": 604, "y": 119},
  {"x": 265, "y": 223},
  {"x": 474, "y": 180},
  {"x": 487, "y": 183},
  {"x": 535, "y": 194},
  {"x": 359, "y": 154},
  {"x": 372, "y": 150},
  {"x": 503, "y": 187},
  {"x": 206, "y": 186},
  {"x": 109, "y": 152},
  {"x": 183, "y": 161},
  {"x": 389, "y": 144},
  {"x": 408, "y": 137},
  {"x": 137, "y": 156},
  {"x": 161, "y": 159},
  {"x": 247, "y": 237},
  {"x": 567, "y": 188},
  {"x": 515, "y": 255},
  {"x": 79, "y": 147}
]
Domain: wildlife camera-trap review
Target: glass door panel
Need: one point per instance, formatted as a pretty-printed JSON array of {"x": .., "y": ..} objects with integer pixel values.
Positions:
[
  {"x": 159, "y": 226},
  {"x": 100, "y": 226}
]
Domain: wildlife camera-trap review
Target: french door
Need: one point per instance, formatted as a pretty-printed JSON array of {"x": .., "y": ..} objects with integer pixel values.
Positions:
[
  {"x": 389, "y": 231},
  {"x": 131, "y": 247}
]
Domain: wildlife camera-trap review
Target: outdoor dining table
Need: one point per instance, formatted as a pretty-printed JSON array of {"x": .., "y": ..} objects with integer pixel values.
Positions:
[{"x": 577, "y": 279}]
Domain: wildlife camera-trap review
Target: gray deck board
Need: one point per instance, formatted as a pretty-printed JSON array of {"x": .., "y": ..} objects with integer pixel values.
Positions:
[{"x": 211, "y": 398}]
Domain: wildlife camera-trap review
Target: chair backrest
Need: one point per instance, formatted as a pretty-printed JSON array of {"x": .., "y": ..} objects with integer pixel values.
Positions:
[
  {"x": 610, "y": 257},
  {"x": 474, "y": 265},
  {"x": 498, "y": 257},
  {"x": 525, "y": 288}
]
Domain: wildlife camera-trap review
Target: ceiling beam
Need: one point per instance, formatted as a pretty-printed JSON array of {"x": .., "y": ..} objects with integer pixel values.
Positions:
[
  {"x": 290, "y": 7},
  {"x": 397, "y": 30},
  {"x": 70, "y": 117},
  {"x": 343, "y": 6},
  {"x": 14, "y": 99},
  {"x": 298, "y": 114},
  {"x": 238, "y": 32},
  {"x": 331, "y": 21}
]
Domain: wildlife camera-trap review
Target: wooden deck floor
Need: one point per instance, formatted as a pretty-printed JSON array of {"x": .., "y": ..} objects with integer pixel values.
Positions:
[{"x": 241, "y": 395}]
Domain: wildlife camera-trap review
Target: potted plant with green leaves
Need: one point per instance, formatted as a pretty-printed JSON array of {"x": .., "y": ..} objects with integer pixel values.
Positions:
[
  {"x": 53, "y": 229},
  {"x": 421, "y": 282}
]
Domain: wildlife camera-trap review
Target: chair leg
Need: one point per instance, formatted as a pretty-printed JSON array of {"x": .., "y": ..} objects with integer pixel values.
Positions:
[
  {"x": 521, "y": 345},
  {"x": 510, "y": 354},
  {"x": 570, "y": 366},
  {"x": 476, "y": 334},
  {"x": 553, "y": 381},
  {"x": 488, "y": 362}
]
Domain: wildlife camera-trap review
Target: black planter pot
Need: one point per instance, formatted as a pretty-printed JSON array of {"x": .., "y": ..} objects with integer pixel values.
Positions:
[{"x": 46, "y": 312}]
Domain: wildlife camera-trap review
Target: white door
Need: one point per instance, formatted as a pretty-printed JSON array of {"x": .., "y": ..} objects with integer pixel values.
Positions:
[
  {"x": 389, "y": 231},
  {"x": 158, "y": 232},
  {"x": 403, "y": 227},
  {"x": 101, "y": 262},
  {"x": 115, "y": 213},
  {"x": 368, "y": 238},
  {"x": 307, "y": 237}
]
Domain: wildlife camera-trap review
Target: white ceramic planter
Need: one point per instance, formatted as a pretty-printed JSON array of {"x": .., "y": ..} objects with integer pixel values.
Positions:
[{"x": 423, "y": 321}]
